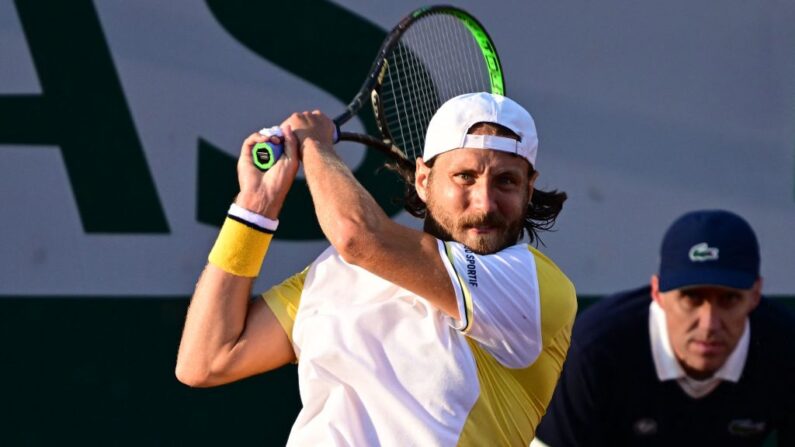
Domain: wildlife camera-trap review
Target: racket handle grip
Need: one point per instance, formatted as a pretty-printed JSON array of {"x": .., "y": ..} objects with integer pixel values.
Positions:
[{"x": 265, "y": 154}]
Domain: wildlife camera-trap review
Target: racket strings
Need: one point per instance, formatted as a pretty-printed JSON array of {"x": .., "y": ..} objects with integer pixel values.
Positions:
[
  {"x": 412, "y": 83},
  {"x": 436, "y": 59}
]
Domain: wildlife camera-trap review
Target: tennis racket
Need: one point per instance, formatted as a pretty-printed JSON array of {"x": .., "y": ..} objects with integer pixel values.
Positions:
[{"x": 433, "y": 54}]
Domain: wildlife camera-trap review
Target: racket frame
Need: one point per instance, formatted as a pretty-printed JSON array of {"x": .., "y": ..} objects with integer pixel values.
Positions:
[
  {"x": 371, "y": 86},
  {"x": 370, "y": 89}
]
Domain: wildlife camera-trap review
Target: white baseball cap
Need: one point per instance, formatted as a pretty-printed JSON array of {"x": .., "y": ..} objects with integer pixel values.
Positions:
[{"x": 449, "y": 127}]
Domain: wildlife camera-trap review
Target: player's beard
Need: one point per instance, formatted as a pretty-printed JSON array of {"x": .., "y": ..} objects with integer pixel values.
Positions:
[{"x": 451, "y": 228}]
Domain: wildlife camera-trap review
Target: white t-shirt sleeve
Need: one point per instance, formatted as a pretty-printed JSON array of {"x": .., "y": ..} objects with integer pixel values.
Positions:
[{"x": 498, "y": 300}]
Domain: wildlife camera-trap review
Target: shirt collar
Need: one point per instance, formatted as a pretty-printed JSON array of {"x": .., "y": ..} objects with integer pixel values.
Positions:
[{"x": 668, "y": 367}]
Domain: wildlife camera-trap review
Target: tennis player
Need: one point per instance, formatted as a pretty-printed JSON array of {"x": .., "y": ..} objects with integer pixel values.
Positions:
[{"x": 454, "y": 335}]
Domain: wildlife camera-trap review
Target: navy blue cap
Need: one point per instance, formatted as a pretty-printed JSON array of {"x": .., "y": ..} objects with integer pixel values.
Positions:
[{"x": 713, "y": 247}]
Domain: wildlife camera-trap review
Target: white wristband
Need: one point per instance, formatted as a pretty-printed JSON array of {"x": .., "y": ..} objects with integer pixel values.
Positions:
[{"x": 269, "y": 225}]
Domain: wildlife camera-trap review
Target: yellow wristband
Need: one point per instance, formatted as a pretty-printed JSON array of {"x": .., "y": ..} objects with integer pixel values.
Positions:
[{"x": 240, "y": 249}]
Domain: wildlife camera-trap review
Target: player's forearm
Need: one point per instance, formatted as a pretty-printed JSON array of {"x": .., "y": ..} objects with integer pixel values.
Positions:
[
  {"x": 219, "y": 310},
  {"x": 220, "y": 319},
  {"x": 348, "y": 215},
  {"x": 216, "y": 319},
  {"x": 364, "y": 235}
]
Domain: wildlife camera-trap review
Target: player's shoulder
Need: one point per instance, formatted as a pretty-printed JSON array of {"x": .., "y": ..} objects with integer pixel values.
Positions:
[
  {"x": 558, "y": 294},
  {"x": 284, "y": 299},
  {"x": 541, "y": 258},
  {"x": 522, "y": 259},
  {"x": 548, "y": 270},
  {"x": 293, "y": 286}
]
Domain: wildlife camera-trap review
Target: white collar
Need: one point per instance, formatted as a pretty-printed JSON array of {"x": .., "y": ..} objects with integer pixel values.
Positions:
[{"x": 668, "y": 367}]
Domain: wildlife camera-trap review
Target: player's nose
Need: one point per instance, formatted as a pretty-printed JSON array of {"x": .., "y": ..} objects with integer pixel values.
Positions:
[{"x": 483, "y": 197}]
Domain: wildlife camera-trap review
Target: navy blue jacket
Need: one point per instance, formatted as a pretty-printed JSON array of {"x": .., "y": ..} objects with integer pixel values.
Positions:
[{"x": 609, "y": 394}]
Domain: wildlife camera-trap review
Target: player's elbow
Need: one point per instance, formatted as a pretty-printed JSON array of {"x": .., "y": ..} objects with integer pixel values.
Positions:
[
  {"x": 351, "y": 249},
  {"x": 195, "y": 375},
  {"x": 354, "y": 241},
  {"x": 192, "y": 375}
]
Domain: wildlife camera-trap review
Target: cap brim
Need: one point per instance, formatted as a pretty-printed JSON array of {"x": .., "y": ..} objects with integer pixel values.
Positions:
[{"x": 732, "y": 279}]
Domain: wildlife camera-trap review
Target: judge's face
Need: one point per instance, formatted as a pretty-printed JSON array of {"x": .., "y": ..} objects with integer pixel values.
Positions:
[{"x": 705, "y": 323}]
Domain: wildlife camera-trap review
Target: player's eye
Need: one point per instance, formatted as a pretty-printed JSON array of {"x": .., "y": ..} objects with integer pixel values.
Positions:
[
  {"x": 507, "y": 180},
  {"x": 466, "y": 177}
]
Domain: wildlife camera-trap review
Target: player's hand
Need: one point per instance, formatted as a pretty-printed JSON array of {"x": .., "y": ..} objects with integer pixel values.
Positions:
[
  {"x": 311, "y": 129},
  {"x": 264, "y": 192}
]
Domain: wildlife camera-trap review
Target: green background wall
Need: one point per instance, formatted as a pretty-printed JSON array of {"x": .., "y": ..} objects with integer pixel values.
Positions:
[{"x": 100, "y": 371}]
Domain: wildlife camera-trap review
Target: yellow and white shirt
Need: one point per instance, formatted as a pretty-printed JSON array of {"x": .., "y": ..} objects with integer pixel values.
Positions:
[{"x": 378, "y": 365}]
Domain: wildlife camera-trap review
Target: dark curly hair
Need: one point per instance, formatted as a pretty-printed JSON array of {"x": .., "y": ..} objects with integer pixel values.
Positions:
[{"x": 542, "y": 211}]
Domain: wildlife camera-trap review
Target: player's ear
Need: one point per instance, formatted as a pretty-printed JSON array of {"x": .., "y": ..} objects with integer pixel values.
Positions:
[
  {"x": 531, "y": 185},
  {"x": 421, "y": 175}
]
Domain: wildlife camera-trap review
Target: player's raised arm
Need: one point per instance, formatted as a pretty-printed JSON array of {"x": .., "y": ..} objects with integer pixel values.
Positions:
[
  {"x": 359, "y": 229},
  {"x": 228, "y": 336}
]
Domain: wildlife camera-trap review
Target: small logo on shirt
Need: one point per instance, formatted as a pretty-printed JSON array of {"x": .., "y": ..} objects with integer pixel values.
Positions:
[
  {"x": 645, "y": 427},
  {"x": 472, "y": 273},
  {"x": 703, "y": 252},
  {"x": 746, "y": 427}
]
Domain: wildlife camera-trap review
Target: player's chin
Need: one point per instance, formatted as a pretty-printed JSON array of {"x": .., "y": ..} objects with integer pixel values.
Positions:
[{"x": 484, "y": 244}]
